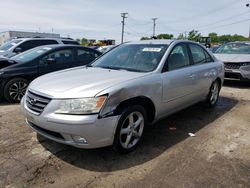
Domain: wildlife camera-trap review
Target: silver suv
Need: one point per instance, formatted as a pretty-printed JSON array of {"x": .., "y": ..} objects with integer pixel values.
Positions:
[
  {"x": 16, "y": 46},
  {"x": 111, "y": 101}
]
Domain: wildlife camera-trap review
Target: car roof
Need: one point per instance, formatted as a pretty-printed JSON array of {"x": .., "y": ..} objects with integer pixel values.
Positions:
[
  {"x": 54, "y": 46},
  {"x": 24, "y": 39}
]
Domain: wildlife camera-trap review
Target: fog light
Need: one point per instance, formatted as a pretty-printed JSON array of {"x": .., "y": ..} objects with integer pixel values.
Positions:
[{"x": 79, "y": 139}]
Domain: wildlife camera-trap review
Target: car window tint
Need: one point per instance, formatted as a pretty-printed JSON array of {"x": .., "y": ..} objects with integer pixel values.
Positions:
[
  {"x": 46, "y": 42},
  {"x": 70, "y": 42},
  {"x": 86, "y": 56},
  {"x": 35, "y": 43},
  {"x": 61, "y": 56},
  {"x": 178, "y": 58},
  {"x": 197, "y": 54},
  {"x": 26, "y": 45},
  {"x": 208, "y": 57}
]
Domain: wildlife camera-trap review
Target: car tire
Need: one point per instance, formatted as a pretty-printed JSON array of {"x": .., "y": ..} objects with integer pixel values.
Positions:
[
  {"x": 130, "y": 129},
  {"x": 15, "y": 89},
  {"x": 213, "y": 95}
]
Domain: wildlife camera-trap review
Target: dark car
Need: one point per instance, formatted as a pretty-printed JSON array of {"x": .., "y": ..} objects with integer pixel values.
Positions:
[{"x": 17, "y": 72}]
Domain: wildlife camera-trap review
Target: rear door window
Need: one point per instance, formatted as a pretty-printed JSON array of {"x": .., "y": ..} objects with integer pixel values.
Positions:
[
  {"x": 70, "y": 42},
  {"x": 86, "y": 56},
  {"x": 199, "y": 55},
  {"x": 61, "y": 56},
  {"x": 35, "y": 43},
  {"x": 45, "y": 42}
]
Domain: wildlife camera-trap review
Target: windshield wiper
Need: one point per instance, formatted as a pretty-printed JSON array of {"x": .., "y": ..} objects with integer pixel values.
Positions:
[
  {"x": 89, "y": 65},
  {"x": 109, "y": 67},
  {"x": 122, "y": 68}
]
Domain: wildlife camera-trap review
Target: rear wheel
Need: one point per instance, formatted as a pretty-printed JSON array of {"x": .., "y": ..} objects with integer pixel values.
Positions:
[
  {"x": 213, "y": 95},
  {"x": 15, "y": 89},
  {"x": 130, "y": 129}
]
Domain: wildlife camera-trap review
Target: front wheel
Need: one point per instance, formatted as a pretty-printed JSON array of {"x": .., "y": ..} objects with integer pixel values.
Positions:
[
  {"x": 130, "y": 129},
  {"x": 213, "y": 95},
  {"x": 15, "y": 89}
]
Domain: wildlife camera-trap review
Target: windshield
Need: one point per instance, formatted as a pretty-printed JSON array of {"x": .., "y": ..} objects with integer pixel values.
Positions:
[
  {"x": 133, "y": 57},
  {"x": 234, "y": 48},
  {"x": 8, "y": 45},
  {"x": 30, "y": 54}
]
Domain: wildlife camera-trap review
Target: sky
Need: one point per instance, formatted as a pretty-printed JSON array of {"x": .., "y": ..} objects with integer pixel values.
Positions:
[{"x": 101, "y": 19}]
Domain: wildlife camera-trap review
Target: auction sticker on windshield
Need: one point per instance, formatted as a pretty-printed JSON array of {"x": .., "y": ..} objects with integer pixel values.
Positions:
[{"x": 151, "y": 49}]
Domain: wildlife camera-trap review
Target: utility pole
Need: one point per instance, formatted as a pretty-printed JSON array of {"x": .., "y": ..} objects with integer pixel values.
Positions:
[
  {"x": 248, "y": 6},
  {"x": 123, "y": 15},
  {"x": 154, "y": 25},
  {"x": 185, "y": 35}
]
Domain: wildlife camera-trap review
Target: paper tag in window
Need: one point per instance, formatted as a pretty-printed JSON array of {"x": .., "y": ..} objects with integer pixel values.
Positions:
[{"x": 151, "y": 49}]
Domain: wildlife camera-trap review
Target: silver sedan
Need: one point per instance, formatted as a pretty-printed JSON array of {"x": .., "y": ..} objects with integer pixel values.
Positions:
[
  {"x": 112, "y": 100},
  {"x": 236, "y": 57}
]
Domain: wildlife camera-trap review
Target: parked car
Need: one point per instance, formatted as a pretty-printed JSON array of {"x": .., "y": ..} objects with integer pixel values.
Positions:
[
  {"x": 236, "y": 56},
  {"x": 17, "y": 72},
  {"x": 16, "y": 46},
  {"x": 214, "y": 48},
  {"x": 104, "y": 49},
  {"x": 111, "y": 101}
]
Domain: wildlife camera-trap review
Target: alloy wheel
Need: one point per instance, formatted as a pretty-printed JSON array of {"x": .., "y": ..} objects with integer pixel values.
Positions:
[
  {"x": 131, "y": 130},
  {"x": 17, "y": 90},
  {"x": 214, "y": 92}
]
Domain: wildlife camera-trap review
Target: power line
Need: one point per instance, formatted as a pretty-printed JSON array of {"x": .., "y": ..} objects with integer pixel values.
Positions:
[
  {"x": 205, "y": 14},
  {"x": 219, "y": 26},
  {"x": 137, "y": 32},
  {"x": 170, "y": 28},
  {"x": 222, "y": 20},
  {"x": 138, "y": 22}
]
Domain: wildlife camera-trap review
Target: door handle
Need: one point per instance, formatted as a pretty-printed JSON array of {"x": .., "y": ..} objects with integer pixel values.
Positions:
[{"x": 191, "y": 76}]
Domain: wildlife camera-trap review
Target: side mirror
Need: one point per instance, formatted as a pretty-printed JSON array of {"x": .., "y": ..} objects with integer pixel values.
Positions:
[
  {"x": 18, "y": 50},
  {"x": 51, "y": 61}
]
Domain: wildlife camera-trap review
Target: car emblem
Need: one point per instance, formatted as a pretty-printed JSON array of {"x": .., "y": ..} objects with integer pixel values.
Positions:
[{"x": 33, "y": 101}]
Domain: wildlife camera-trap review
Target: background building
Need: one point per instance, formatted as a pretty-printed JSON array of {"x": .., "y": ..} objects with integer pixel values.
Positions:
[{"x": 8, "y": 35}]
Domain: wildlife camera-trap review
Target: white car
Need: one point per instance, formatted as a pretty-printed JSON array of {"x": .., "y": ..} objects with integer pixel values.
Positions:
[{"x": 16, "y": 46}]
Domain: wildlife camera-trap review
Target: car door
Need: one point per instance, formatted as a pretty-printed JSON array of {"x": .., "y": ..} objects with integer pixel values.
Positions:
[
  {"x": 203, "y": 66},
  {"x": 85, "y": 56},
  {"x": 178, "y": 80},
  {"x": 56, "y": 60}
]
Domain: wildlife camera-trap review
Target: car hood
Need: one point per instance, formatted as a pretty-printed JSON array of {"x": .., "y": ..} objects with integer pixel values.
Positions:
[
  {"x": 234, "y": 58},
  {"x": 5, "y": 62},
  {"x": 80, "y": 82}
]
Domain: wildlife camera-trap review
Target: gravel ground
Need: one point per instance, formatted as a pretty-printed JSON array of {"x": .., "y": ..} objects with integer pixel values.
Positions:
[{"x": 218, "y": 155}]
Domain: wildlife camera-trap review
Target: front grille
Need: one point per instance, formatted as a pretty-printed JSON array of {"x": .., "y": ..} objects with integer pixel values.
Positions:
[
  {"x": 235, "y": 65},
  {"x": 36, "y": 103}
]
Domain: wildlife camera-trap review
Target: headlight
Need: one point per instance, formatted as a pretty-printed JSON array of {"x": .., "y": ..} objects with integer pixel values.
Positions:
[{"x": 81, "y": 106}]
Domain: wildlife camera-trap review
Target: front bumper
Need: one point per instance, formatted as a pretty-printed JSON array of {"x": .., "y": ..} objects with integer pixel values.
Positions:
[
  {"x": 82, "y": 131},
  {"x": 234, "y": 75}
]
